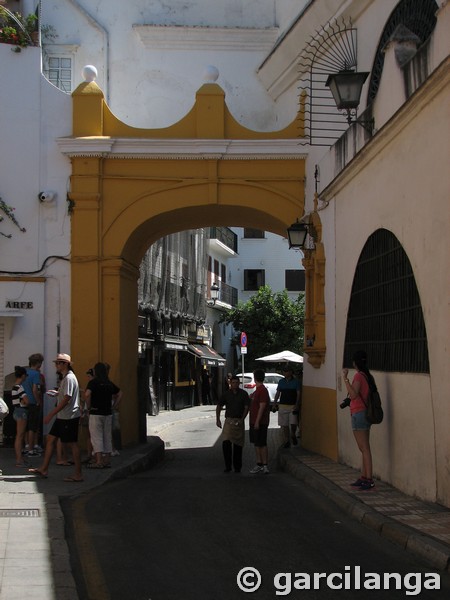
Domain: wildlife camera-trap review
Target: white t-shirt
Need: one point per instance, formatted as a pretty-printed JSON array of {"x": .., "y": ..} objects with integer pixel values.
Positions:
[{"x": 69, "y": 387}]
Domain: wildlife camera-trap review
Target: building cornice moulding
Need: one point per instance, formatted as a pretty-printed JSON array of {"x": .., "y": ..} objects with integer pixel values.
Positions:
[
  {"x": 437, "y": 83},
  {"x": 130, "y": 148},
  {"x": 240, "y": 39},
  {"x": 280, "y": 70}
]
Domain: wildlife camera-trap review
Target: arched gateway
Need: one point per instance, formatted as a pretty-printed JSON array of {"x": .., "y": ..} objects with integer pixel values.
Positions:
[{"x": 130, "y": 187}]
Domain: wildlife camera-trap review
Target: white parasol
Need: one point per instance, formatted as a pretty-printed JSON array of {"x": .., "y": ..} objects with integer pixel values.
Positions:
[{"x": 284, "y": 356}]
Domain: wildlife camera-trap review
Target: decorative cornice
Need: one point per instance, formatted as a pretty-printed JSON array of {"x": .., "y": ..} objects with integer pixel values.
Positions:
[
  {"x": 181, "y": 149},
  {"x": 434, "y": 85},
  {"x": 240, "y": 39}
]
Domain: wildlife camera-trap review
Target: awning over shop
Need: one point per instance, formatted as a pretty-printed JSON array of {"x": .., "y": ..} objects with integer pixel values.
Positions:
[{"x": 207, "y": 355}]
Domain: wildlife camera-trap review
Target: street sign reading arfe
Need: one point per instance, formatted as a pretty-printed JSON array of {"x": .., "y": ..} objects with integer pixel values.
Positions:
[{"x": 243, "y": 339}]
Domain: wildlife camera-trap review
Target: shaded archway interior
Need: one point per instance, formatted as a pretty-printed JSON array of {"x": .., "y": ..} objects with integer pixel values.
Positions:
[{"x": 182, "y": 219}]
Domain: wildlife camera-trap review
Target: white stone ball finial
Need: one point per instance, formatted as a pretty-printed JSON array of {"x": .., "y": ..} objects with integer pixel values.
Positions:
[
  {"x": 210, "y": 74},
  {"x": 89, "y": 73}
]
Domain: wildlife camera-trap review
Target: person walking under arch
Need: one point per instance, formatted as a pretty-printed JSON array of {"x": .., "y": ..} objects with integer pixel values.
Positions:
[
  {"x": 289, "y": 398},
  {"x": 259, "y": 422},
  {"x": 236, "y": 403}
]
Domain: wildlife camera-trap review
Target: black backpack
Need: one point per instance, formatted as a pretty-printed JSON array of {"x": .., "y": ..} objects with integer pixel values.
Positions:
[{"x": 373, "y": 406}]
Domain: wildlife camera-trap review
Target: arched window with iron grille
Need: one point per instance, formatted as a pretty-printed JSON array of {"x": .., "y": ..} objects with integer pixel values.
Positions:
[
  {"x": 385, "y": 315},
  {"x": 419, "y": 16}
]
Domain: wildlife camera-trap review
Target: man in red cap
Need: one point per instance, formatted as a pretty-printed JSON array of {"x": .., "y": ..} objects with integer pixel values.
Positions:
[{"x": 67, "y": 413}]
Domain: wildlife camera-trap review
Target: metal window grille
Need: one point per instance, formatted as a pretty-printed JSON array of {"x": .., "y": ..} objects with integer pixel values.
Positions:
[{"x": 385, "y": 313}]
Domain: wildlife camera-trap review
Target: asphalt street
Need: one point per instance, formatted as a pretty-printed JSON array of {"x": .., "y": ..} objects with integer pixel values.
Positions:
[{"x": 185, "y": 530}]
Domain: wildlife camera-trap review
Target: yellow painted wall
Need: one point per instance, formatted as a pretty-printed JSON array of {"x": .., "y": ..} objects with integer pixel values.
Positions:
[
  {"x": 124, "y": 204},
  {"x": 319, "y": 421}
]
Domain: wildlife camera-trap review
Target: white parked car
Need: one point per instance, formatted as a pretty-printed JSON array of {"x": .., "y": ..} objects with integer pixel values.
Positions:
[{"x": 270, "y": 381}]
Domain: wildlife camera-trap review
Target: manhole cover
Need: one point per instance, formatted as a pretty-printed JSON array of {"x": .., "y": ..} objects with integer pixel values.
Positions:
[{"x": 21, "y": 512}]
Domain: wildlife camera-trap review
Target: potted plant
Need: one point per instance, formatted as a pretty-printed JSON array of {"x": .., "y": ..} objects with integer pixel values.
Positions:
[{"x": 18, "y": 30}]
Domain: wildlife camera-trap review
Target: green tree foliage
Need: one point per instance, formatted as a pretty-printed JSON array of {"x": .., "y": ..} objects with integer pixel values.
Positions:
[{"x": 271, "y": 321}]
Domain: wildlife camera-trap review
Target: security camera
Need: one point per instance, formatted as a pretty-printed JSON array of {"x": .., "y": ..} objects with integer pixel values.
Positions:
[{"x": 46, "y": 196}]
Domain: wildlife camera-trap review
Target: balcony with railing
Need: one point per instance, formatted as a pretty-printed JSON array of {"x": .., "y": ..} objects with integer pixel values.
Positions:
[
  {"x": 223, "y": 240},
  {"x": 227, "y": 296}
]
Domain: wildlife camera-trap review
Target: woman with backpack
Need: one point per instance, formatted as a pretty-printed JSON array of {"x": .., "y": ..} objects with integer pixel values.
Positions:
[{"x": 358, "y": 392}]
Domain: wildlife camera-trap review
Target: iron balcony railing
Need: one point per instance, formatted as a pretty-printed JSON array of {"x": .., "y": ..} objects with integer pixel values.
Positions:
[
  {"x": 224, "y": 235},
  {"x": 228, "y": 294}
]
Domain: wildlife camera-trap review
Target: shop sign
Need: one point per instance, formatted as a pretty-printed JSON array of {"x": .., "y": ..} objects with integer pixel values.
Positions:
[{"x": 18, "y": 305}]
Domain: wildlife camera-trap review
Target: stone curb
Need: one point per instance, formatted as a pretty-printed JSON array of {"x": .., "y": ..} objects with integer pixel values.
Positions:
[{"x": 435, "y": 553}]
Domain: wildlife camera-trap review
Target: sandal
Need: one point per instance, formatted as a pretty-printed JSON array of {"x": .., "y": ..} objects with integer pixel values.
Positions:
[{"x": 94, "y": 466}]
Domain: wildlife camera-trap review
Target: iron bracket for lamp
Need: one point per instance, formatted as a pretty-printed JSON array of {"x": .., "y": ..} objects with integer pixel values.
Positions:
[{"x": 368, "y": 124}]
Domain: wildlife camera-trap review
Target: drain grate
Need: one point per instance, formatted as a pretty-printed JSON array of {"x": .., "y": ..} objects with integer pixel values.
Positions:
[{"x": 19, "y": 512}]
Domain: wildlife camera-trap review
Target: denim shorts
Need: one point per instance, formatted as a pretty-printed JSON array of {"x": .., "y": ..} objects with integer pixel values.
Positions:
[
  {"x": 20, "y": 413},
  {"x": 359, "y": 421}
]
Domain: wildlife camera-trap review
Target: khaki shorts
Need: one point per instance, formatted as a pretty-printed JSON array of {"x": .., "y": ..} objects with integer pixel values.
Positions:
[{"x": 285, "y": 415}]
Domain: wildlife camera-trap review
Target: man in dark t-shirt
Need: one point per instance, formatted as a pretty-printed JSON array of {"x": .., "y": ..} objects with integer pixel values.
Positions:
[{"x": 236, "y": 403}]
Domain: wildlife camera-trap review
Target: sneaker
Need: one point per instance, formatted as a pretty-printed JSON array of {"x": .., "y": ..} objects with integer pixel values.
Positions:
[
  {"x": 367, "y": 484},
  {"x": 266, "y": 470},
  {"x": 32, "y": 453},
  {"x": 38, "y": 448},
  {"x": 257, "y": 469},
  {"x": 358, "y": 482},
  {"x": 26, "y": 449}
]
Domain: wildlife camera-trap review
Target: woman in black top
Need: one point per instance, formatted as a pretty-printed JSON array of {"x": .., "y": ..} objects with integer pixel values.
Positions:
[{"x": 100, "y": 395}]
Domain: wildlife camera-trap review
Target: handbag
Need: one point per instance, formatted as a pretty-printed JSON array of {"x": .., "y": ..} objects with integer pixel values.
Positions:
[
  {"x": 4, "y": 410},
  {"x": 374, "y": 410}
]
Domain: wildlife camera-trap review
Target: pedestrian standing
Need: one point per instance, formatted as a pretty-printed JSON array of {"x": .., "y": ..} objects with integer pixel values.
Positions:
[
  {"x": 259, "y": 422},
  {"x": 236, "y": 403},
  {"x": 32, "y": 387},
  {"x": 100, "y": 395},
  {"x": 65, "y": 427},
  {"x": 20, "y": 403},
  {"x": 288, "y": 396},
  {"x": 358, "y": 392}
]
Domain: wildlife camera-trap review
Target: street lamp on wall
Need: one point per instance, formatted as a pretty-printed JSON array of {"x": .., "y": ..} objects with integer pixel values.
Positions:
[
  {"x": 214, "y": 291},
  {"x": 346, "y": 87},
  {"x": 297, "y": 233}
]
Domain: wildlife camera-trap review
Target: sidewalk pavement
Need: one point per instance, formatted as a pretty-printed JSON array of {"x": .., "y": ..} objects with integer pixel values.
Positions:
[{"x": 32, "y": 523}]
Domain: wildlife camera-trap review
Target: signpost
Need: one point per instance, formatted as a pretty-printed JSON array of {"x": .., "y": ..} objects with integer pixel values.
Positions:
[{"x": 243, "y": 351}]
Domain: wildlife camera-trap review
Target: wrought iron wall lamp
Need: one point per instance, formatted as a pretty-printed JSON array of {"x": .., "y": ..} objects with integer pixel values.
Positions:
[
  {"x": 214, "y": 294},
  {"x": 346, "y": 87}
]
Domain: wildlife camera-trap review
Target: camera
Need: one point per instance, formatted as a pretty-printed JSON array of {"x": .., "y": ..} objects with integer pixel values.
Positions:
[
  {"x": 46, "y": 196},
  {"x": 345, "y": 403}
]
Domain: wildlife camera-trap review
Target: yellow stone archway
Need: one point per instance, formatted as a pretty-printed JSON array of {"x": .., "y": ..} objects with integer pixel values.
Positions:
[{"x": 130, "y": 187}]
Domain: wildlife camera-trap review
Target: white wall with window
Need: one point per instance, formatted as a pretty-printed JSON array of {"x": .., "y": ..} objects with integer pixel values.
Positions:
[
  {"x": 265, "y": 259},
  {"x": 57, "y": 66}
]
